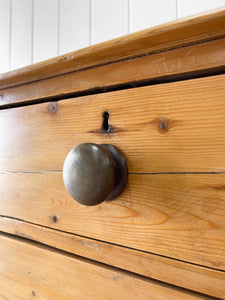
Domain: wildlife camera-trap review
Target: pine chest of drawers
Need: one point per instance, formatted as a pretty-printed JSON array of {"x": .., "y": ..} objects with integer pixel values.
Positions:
[{"x": 158, "y": 97}]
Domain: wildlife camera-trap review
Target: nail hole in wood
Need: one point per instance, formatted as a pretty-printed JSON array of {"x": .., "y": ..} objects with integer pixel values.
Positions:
[
  {"x": 52, "y": 107},
  {"x": 105, "y": 124},
  {"x": 54, "y": 219},
  {"x": 33, "y": 294},
  {"x": 162, "y": 125}
]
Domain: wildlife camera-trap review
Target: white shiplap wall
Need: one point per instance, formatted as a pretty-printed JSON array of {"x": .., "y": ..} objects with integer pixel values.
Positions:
[{"x": 35, "y": 30}]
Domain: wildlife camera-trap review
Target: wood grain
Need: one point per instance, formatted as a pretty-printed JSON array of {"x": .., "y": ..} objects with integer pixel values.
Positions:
[
  {"x": 162, "y": 129},
  {"x": 179, "y": 33},
  {"x": 169, "y": 223},
  {"x": 29, "y": 271},
  {"x": 196, "y": 60},
  {"x": 189, "y": 276},
  {"x": 181, "y": 216},
  {"x": 173, "y": 127}
]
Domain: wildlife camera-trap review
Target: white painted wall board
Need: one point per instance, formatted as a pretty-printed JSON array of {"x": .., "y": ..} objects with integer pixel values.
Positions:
[
  {"x": 45, "y": 39},
  {"x": 21, "y": 33},
  {"x": 190, "y": 7},
  {"x": 4, "y": 35},
  {"x": 74, "y": 25},
  {"x": 109, "y": 19},
  {"x": 148, "y": 13}
]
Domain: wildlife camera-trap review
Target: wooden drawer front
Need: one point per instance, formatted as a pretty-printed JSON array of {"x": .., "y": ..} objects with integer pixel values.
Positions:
[
  {"x": 173, "y": 137},
  {"x": 31, "y": 272}
]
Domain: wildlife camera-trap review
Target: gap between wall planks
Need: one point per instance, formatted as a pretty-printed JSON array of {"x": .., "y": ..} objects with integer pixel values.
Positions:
[
  {"x": 196, "y": 278},
  {"x": 176, "y": 34},
  {"x": 48, "y": 275},
  {"x": 181, "y": 63}
]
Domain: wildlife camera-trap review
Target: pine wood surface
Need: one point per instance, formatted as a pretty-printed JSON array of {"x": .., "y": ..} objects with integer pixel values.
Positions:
[
  {"x": 201, "y": 59},
  {"x": 171, "y": 216},
  {"x": 29, "y": 271},
  {"x": 201, "y": 279},
  {"x": 162, "y": 130},
  {"x": 172, "y": 127},
  {"x": 178, "y": 216}
]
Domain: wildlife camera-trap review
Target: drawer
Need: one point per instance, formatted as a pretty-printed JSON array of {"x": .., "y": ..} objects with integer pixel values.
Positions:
[
  {"x": 28, "y": 271},
  {"x": 172, "y": 136}
]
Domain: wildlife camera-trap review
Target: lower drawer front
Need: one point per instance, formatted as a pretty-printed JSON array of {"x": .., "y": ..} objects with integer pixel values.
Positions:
[
  {"x": 28, "y": 271},
  {"x": 172, "y": 136}
]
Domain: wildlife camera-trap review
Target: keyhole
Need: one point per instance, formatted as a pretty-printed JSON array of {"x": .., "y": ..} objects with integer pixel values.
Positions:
[{"x": 105, "y": 124}]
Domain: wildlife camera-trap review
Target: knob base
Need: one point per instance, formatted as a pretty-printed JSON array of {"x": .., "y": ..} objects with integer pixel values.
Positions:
[{"x": 121, "y": 170}]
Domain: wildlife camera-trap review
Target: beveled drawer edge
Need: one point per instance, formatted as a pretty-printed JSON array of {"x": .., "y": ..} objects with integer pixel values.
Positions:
[
  {"x": 182, "y": 63},
  {"x": 189, "y": 276}
]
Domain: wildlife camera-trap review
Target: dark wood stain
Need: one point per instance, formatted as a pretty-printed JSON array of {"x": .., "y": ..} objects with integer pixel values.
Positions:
[
  {"x": 162, "y": 124},
  {"x": 112, "y": 130},
  {"x": 66, "y": 57},
  {"x": 217, "y": 187}
]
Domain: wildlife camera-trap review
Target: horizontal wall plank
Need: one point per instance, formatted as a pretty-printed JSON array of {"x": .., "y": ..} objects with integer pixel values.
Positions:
[
  {"x": 197, "y": 278},
  {"x": 173, "y": 127},
  {"x": 30, "y": 271},
  {"x": 164, "y": 66},
  {"x": 181, "y": 216},
  {"x": 163, "y": 37}
]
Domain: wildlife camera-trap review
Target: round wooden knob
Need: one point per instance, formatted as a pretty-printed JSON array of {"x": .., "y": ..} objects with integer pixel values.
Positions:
[{"x": 94, "y": 173}]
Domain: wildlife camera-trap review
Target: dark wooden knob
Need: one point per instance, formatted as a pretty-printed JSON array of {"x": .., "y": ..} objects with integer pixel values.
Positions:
[{"x": 94, "y": 173}]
